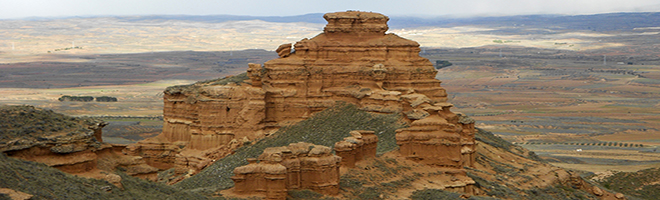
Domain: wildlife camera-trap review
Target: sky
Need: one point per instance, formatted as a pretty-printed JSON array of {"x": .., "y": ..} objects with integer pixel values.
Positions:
[{"x": 13, "y": 9}]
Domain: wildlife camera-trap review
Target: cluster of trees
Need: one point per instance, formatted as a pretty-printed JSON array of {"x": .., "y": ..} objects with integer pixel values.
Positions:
[
  {"x": 87, "y": 98},
  {"x": 439, "y": 64},
  {"x": 618, "y": 71}
]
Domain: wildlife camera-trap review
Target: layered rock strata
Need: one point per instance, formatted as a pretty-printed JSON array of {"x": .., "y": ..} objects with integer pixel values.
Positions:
[
  {"x": 354, "y": 60},
  {"x": 359, "y": 146},
  {"x": 207, "y": 115},
  {"x": 162, "y": 154},
  {"x": 442, "y": 138},
  {"x": 297, "y": 166}
]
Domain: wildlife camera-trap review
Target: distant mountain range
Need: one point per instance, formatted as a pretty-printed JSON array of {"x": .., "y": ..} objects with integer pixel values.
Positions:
[{"x": 597, "y": 22}]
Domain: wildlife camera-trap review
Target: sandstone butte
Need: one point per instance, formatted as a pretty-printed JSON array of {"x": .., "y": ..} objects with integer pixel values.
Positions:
[{"x": 354, "y": 60}]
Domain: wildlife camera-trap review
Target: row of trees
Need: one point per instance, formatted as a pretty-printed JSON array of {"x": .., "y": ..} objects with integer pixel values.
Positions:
[
  {"x": 611, "y": 144},
  {"x": 87, "y": 98}
]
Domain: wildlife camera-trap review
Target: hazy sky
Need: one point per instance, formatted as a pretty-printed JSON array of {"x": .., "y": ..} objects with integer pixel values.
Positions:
[{"x": 59, "y": 8}]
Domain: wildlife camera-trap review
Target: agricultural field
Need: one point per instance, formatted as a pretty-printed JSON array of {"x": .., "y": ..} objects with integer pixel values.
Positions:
[{"x": 561, "y": 104}]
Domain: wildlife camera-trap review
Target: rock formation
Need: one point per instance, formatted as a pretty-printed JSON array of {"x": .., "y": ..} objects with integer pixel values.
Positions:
[
  {"x": 297, "y": 166},
  {"x": 361, "y": 145},
  {"x": 72, "y": 145},
  {"x": 577, "y": 182},
  {"x": 352, "y": 61},
  {"x": 208, "y": 115},
  {"x": 443, "y": 138},
  {"x": 65, "y": 143}
]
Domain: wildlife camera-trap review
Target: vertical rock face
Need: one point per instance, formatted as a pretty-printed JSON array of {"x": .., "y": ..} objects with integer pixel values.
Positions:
[
  {"x": 267, "y": 177},
  {"x": 208, "y": 115},
  {"x": 297, "y": 166},
  {"x": 443, "y": 138},
  {"x": 360, "y": 145}
]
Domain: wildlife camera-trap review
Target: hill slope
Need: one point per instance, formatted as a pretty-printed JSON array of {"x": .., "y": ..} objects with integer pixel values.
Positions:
[
  {"x": 49, "y": 183},
  {"x": 643, "y": 184},
  {"x": 324, "y": 128},
  {"x": 503, "y": 170}
]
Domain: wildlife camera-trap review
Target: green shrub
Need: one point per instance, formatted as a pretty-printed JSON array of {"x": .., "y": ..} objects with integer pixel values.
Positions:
[
  {"x": 304, "y": 194},
  {"x": 439, "y": 64},
  {"x": 370, "y": 193},
  {"x": 434, "y": 194}
]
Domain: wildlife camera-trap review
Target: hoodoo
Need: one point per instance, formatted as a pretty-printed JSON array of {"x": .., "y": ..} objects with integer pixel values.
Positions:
[{"x": 354, "y": 60}]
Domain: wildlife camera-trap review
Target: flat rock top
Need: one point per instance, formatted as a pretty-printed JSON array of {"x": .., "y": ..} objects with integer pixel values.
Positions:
[{"x": 355, "y": 15}]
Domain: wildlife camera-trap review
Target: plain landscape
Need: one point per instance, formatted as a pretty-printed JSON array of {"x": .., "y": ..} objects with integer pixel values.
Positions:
[{"x": 580, "y": 92}]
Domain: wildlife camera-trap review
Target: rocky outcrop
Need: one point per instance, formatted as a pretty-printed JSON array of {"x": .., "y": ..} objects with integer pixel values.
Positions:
[
  {"x": 157, "y": 152},
  {"x": 162, "y": 154},
  {"x": 15, "y": 195},
  {"x": 73, "y": 145},
  {"x": 207, "y": 115},
  {"x": 297, "y": 166},
  {"x": 354, "y": 60},
  {"x": 359, "y": 146},
  {"x": 577, "y": 182},
  {"x": 442, "y": 131},
  {"x": 57, "y": 140},
  {"x": 25, "y": 127}
]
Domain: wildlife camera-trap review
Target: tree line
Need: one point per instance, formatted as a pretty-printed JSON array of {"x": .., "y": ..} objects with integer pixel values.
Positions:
[
  {"x": 611, "y": 144},
  {"x": 87, "y": 98}
]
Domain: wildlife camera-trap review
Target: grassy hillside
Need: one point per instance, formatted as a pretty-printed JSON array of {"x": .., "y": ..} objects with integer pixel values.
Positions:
[
  {"x": 28, "y": 121},
  {"x": 503, "y": 179},
  {"x": 390, "y": 176},
  {"x": 324, "y": 128},
  {"x": 643, "y": 184},
  {"x": 45, "y": 182},
  {"x": 26, "y": 126}
]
